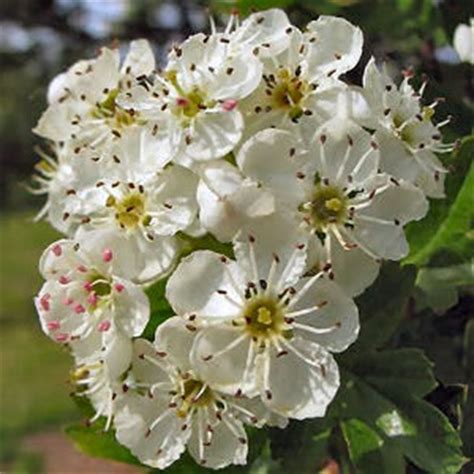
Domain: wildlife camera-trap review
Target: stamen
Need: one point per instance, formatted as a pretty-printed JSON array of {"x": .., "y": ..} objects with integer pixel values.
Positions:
[{"x": 228, "y": 348}]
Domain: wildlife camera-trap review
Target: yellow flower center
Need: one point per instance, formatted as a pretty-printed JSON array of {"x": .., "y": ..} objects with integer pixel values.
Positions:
[
  {"x": 288, "y": 92},
  {"x": 196, "y": 395},
  {"x": 108, "y": 110},
  {"x": 130, "y": 210},
  {"x": 327, "y": 206},
  {"x": 264, "y": 317}
]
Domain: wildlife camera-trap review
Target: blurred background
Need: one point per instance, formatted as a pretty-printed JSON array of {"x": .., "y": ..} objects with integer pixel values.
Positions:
[{"x": 39, "y": 39}]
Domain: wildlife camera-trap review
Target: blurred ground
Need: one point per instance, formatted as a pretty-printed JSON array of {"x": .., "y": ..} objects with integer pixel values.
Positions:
[{"x": 34, "y": 400}]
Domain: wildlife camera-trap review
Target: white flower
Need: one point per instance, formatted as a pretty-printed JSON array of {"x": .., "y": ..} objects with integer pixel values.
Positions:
[
  {"x": 89, "y": 292},
  {"x": 82, "y": 101},
  {"x": 139, "y": 200},
  {"x": 303, "y": 79},
  {"x": 407, "y": 136},
  {"x": 196, "y": 98},
  {"x": 228, "y": 201},
  {"x": 100, "y": 370},
  {"x": 334, "y": 192},
  {"x": 168, "y": 408},
  {"x": 62, "y": 179},
  {"x": 270, "y": 329},
  {"x": 463, "y": 41}
]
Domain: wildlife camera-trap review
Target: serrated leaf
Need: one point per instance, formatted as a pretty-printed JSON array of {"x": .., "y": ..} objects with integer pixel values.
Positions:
[
  {"x": 367, "y": 450},
  {"x": 448, "y": 224},
  {"x": 96, "y": 442},
  {"x": 398, "y": 371},
  {"x": 414, "y": 427}
]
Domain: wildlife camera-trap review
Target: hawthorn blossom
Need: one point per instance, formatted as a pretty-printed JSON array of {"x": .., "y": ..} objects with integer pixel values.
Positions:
[
  {"x": 353, "y": 215},
  {"x": 61, "y": 179},
  {"x": 82, "y": 101},
  {"x": 99, "y": 372},
  {"x": 88, "y": 291},
  {"x": 408, "y": 138},
  {"x": 196, "y": 98},
  {"x": 167, "y": 408},
  {"x": 139, "y": 199},
  {"x": 269, "y": 330},
  {"x": 303, "y": 80}
]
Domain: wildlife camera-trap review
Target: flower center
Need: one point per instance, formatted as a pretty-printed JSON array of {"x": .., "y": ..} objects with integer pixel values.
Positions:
[
  {"x": 264, "y": 317},
  {"x": 108, "y": 110},
  {"x": 327, "y": 206},
  {"x": 130, "y": 210},
  {"x": 287, "y": 92},
  {"x": 195, "y": 395},
  {"x": 100, "y": 285},
  {"x": 189, "y": 103}
]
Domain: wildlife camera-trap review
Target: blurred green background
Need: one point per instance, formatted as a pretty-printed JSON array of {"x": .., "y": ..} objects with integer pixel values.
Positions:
[{"x": 38, "y": 39}]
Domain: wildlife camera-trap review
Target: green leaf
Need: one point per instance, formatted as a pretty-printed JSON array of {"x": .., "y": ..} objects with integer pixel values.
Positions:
[
  {"x": 397, "y": 371},
  {"x": 383, "y": 306},
  {"x": 441, "y": 285},
  {"x": 360, "y": 439},
  {"x": 96, "y": 442},
  {"x": 405, "y": 423},
  {"x": 447, "y": 227},
  {"x": 303, "y": 446}
]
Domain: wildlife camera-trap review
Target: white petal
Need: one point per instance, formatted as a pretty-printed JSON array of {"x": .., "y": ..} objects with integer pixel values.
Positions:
[
  {"x": 225, "y": 448},
  {"x": 338, "y": 46},
  {"x": 140, "y": 58},
  {"x": 176, "y": 340},
  {"x": 395, "y": 206},
  {"x": 146, "y": 371},
  {"x": 338, "y": 314},
  {"x": 61, "y": 258},
  {"x": 227, "y": 202},
  {"x": 346, "y": 150},
  {"x": 273, "y": 157},
  {"x": 54, "y": 123},
  {"x": 276, "y": 238},
  {"x": 164, "y": 444},
  {"x": 226, "y": 370},
  {"x": 299, "y": 390},
  {"x": 215, "y": 134},
  {"x": 395, "y": 159},
  {"x": 132, "y": 308},
  {"x": 193, "y": 287},
  {"x": 267, "y": 27},
  {"x": 245, "y": 77},
  {"x": 430, "y": 180},
  {"x": 353, "y": 283}
]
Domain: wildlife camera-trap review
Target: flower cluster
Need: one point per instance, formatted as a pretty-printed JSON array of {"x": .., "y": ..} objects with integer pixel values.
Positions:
[{"x": 249, "y": 134}]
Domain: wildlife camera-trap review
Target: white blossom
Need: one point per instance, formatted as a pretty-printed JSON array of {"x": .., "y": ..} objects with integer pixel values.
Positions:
[
  {"x": 270, "y": 328},
  {"x": 82, "y": 101},
  {"x": 88, "y": 291},
  {"x": 334, "y": 192},
  {"x": 408, "y": 138},
  {"x": 168, "y": 408},
  {"x": 100, "y": 368},
  {"x": 303, "y": 80}
]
